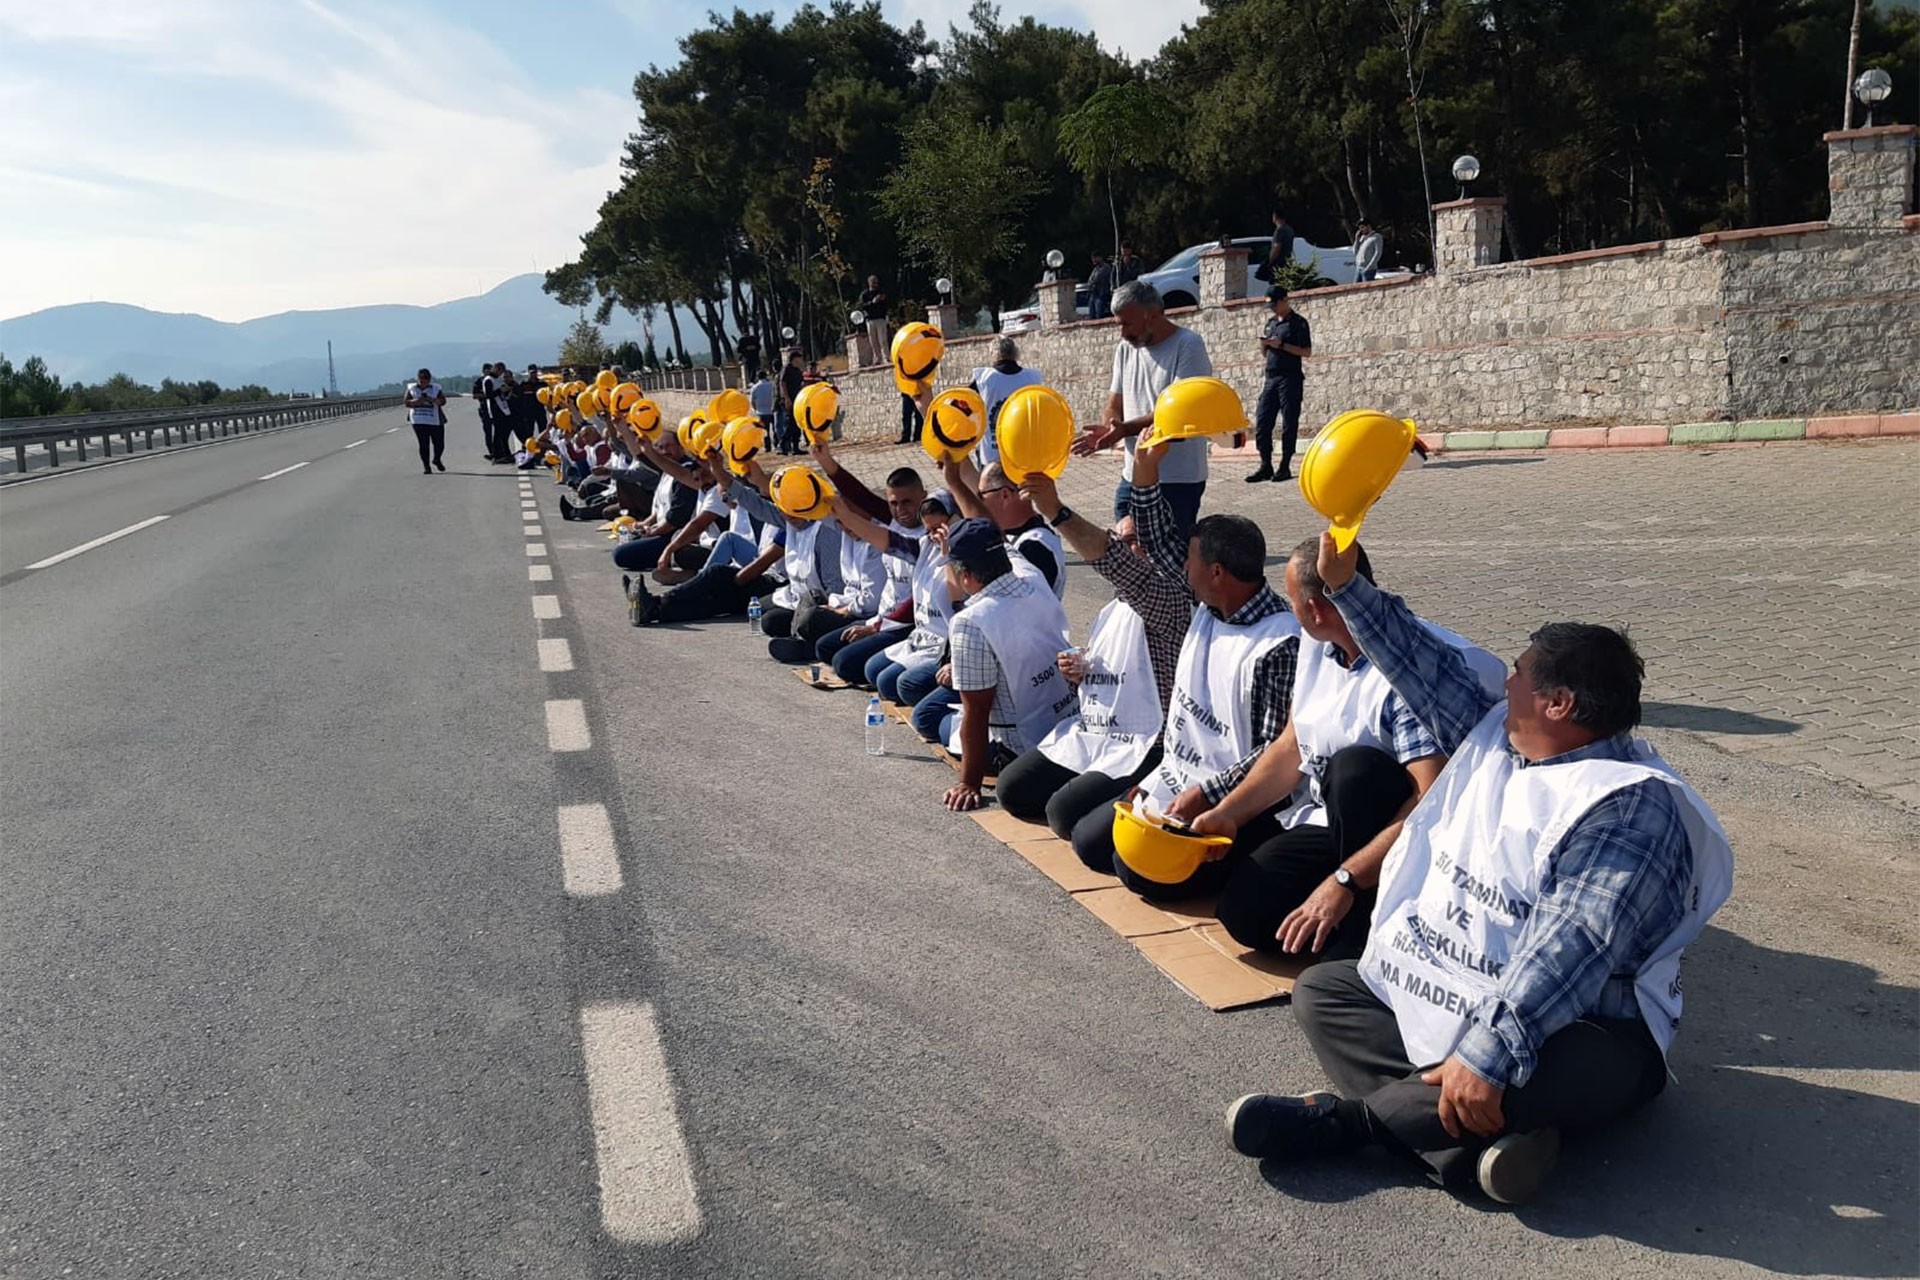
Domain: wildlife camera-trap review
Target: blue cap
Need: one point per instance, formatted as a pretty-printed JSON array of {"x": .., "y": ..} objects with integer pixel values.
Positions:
[{"x": 969, "y": 540}]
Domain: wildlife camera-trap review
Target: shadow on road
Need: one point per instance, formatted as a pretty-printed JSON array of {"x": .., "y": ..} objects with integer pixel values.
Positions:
[
  {"x": 1454, "y": 464},
  {"x": 1681, "y": 715}
]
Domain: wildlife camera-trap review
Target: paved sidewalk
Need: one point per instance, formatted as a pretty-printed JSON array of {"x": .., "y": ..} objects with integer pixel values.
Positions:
[{"x": 1774, "y": 592}]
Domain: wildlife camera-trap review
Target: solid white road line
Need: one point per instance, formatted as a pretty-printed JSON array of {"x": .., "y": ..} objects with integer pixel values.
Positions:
[
  {"x": 71, "y": 552},
  {"x": 589, "y": 862},
  {"x": 282, "y": 471},
  {"x": 647, "y": 1194},
  {"x": 536, "y": 548},
  {"x": 546, "y": 606},
  {"x": 539, "y": 573},
  {"x": 355, "y": 445},
  {"x": 567, "y": 725},
  {"x": 556, "y": 655}
]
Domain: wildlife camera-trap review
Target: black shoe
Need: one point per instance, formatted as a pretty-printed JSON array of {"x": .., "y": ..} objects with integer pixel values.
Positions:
[
  {"x": 1263, "y": 472},
  {"x": 1512, "y": 1169},
  {"x": 439, "y": 465},
  {"x": 1284, "y": 473},
  {"x": 789, "y": 649},
  {"x": 566, "y": 508},
  {"x": 1271, "y": 1126},
  {"x": 426, "y": 471}
]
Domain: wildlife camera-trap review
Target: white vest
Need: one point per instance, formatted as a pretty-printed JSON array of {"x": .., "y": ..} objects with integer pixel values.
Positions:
[
  {"x": 995, "y": 387},
  {"x": 1210, "y": 721},
  {"x": 1047, "y": 538},
  {"x": 1026, "y": 635},
  {"x": 1334, "y": 708},
  {"x": 898, "y": 585},
  {"x": 1119, "y": 718},
  {"x": 1462, "y": 879},
  {"x": 662, "y": 498},
  {"x": 932, "y": 605},
  {"x": 804, "y": 584},
  {"x": 861, "y": 578},
  {"x": 426, "y": 415}
]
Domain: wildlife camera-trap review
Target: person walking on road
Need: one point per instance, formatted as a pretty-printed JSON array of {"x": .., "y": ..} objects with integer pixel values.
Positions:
[
  {"x": 1286, "y": 340},
  {"x": 426, "y": 412}
]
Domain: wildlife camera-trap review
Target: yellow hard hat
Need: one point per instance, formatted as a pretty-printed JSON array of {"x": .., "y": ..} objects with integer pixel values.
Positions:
[
  {"x": 1035, "y": 432},
  {"x": 956, "y": 420},
  {"x": 552, "y": 459},
  {"x": 916, "y": 353},
  {"x": 622, "y": 527},
  {"x": 1194, "y": 407},
  {"x": 563, "y": 421},
  {"x": 549, "y": 378},
  {"x": 1159, "y": 850},
  {"x": 1350, "y": 464},
  {"x": 815, "y": 408},
  {"x": 544, "y": 396},
  {"x": 728, "y": 405},
  {"x": 687, "y": 433},
  {"x": 643, "y": 415},
  {"x": 624, "y": 397},
  {"x": 706, "y": 437},
  {"x": 588, "y": 403},
  {"x": 743, "y": 438},
  {"x": 605, "y": 381},
  {"x": 802, "y": 493}
]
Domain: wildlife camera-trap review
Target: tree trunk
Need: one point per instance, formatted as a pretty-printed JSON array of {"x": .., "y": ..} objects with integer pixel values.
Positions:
[
  {"x": 679, "y": 347},
  {"x": 1745, "y": 100},
  {"x": 1853, "y": 62}
]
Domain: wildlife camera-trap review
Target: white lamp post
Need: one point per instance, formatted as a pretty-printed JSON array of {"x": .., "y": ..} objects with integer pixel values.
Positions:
[
  {"x": 1465, "y": 170},
  {"x": 1873, "y": 87}
]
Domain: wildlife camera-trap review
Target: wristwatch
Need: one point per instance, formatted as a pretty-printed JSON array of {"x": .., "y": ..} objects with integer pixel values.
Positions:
[
  {"x": 1061, "y": 516},
  {"x": 1344, "y": 878}
]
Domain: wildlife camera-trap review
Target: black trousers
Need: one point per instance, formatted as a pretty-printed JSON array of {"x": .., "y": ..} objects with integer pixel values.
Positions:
[
  {"x": 909, "y": 419},
  {"x": 1588, "y": 1074},
  {"x": 712, "y": 595},
  {"x": 803, "y": 632},
  {"x": 1279, "y": 398},
  {"x": 776, "y": 622},
  {"x": 1035, "y": 789},
  {"x": 430, "y": 434},
  {"x": 1364, "y": 788},
  {"x": 1093, "y": 841}
]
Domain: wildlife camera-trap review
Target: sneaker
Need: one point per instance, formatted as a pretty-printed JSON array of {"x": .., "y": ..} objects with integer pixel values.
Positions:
[
  {"x": 1271, "y": 1126},
  {"x": 641, "y": 607},
  {"x": 566, "y": 508},
  {"x": 1265, "y": 472},
  {"x": 439, "y": 465},
  {"x": 1512, "y": 1169}
]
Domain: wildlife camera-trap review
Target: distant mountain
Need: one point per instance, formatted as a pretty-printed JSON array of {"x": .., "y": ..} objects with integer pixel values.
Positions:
[{"x": 515, "y": 322}]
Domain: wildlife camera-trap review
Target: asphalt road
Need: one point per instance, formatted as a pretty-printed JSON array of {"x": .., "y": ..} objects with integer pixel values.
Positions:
[{"x": 300, "y": 977}]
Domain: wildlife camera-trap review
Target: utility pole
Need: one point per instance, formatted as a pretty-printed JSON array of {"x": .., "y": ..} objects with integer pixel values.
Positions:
[{"x": 333, "y": 382}]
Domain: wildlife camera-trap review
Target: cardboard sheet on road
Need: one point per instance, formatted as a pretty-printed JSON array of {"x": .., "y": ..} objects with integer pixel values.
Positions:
[
  {"x": 827, "y": 679},
  {"x": 1183, "y": 939}
]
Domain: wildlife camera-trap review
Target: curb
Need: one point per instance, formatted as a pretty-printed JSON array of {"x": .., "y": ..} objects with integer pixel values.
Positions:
[{"x": 1755, "y": 431}]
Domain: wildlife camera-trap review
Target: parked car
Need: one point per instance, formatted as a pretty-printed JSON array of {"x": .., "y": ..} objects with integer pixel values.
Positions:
[
  {"x": 1025, "y": 318},
  {"x": 1178, "y": 278}
]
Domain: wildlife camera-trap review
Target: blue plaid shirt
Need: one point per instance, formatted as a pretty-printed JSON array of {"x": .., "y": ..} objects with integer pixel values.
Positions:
[{"x": 1617, "y": 884}]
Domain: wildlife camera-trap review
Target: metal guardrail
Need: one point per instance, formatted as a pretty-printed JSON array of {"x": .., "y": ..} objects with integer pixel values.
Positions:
[
  {"x": 700, "y": 378},
  {"x": 203, "y": 422}
]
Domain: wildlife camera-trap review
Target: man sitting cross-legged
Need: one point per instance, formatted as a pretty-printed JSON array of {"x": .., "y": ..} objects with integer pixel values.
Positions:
[
  {"x": 1523, "y": 975},
  {"x": 743, "y": 562},
  {"x": 878, "y": 518},
  {"x": 1351, "y": 763}
]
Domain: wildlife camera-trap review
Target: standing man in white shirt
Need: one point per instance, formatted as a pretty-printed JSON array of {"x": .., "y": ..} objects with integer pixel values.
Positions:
[
  {"x": 426, "y": 413},
  {"x": 1367, "y": 249},
  {"x": 995, "y": 383},
  {"x": 1152, "y": 355}
]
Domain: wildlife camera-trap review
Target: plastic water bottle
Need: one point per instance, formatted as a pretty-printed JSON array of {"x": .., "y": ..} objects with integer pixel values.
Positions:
[
  {"x": 753, "y": 616},
  {"x": 876, "y": 727}
]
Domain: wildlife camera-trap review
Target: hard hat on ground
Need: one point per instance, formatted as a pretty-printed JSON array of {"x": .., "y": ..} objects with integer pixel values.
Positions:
[
  {"x": 1195, "y": 407},
  {"x": 815, "y": 408},
  {"x": 1157, "y": 849},
  {"x": 1035, "y": 433},
  {"x": 728, "y": 405},
  {"x": 1349, "y": 465},
  {"x": 621, "y": 528},
  {"x": 605, "y": 381},
  {"x": 802, "y": 493},
  {"x": 742, "y": 439},
  {"x": 916, "y": 353},
  {"x": 956, "y": 420},
  {"x": 624, "y": 397}
]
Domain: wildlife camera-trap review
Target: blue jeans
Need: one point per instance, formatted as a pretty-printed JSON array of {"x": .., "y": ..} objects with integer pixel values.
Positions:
[
  {"x": 1184, "y": 498},
  {"x": 930, "y": 699},
  {"x": 887, "y": 676},
  {"x": 850, "y": 659}
]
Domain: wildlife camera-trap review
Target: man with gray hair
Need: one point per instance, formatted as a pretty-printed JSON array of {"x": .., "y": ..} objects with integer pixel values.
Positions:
[
  {"x": 1153, "y": 354},
  {"x": 995, "y": 383}
]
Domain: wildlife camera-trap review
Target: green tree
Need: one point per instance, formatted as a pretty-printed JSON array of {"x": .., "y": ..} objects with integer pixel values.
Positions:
[
  {"x": 29, "y": 391},
  {"x": 956, "y": 200},
  {"x": 1121, "y": 128},
  {"x": 584, "y": 347}
]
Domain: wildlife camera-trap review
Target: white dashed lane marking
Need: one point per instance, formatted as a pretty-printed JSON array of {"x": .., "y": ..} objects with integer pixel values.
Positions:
[
  {"x": 567, "y": 725},
  {"x": 536, "y": 548},
  {"x": 282, "y": 471},
  {"x": 389, "y": 431},
  {"x": 546, "y": 606},
  {"x": 647, "y": 1196},
  {"x": 589, "y": 862},
  {"x": 115, "y": 536},
  {"x": 355, "y": 445},
  {"x": 539, "y": 573},
  {"x": 556, "y": 655}
]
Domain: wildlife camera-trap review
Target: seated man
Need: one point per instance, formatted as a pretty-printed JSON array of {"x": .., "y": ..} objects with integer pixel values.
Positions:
[
  {"x": 1004, "y": 644},
  {"x": 1351, "y": 763},
  {"x": 743, "y": 562},
  {"x": 1232, "y": 683},
  {"x": 672, "y": 508},
  {"x": 1523, "y": 976},
  {"x": 998, "y": 499},
  {"x": 858, "y": 580},
  {"x": 897, "y": 514}
]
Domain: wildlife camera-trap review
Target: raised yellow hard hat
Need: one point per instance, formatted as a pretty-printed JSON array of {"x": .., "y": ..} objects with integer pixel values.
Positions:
[
  {"x": 644, "y": 416},
  {"x": 544, "y": 396},
  {"x": 742, "y": 439},
  {"x": 1350, "y": 464},
  {"x": 916, "y": 353},
  {"x": 706, "y": 437},
  {"x": 802, "y": 493},
  {"x": 814, "y": 409},
  {"x": 563, "y": 421},
  {"x": 588, "y": 403},
  {"x": 956, "y": 420},
  {"x": 1158, "y": 850},
  {"x": 1035, "y": 432},
  {"x": 624, "y": 397},
  {"x": 728, "y": 405},
  {"x": 687, "y": 433},
  {"x": 1194, "y": 407},
  {"x": 605, "y": 381}
]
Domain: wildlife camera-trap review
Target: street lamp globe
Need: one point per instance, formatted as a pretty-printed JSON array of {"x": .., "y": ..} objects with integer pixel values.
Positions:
[
  {"x": 943, "y": 285},
  {"x": 1056, "y": 259},
  {"x": 787, "y": 333},
  {"x": 1465, "y": 170},
  {"x": 859, "y": 318},
  {"x": 1873, "y": 87}
]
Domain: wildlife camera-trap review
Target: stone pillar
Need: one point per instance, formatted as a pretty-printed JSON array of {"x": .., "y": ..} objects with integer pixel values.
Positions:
[
  {"x": 859, "y": 350},
  {"x": 945, "y": 318},
  {"x": 1870, "y": 174},
  {"x": 1223, "y": 275},
  {"x": 1467, "y": 233},
  {"x": 1056, "y": 303}
]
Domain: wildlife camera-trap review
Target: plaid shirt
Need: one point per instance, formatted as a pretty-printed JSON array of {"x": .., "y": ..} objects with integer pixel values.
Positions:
[
  {"x": 1153, "y": 524},
  {"x": 1617, "y": 884}
]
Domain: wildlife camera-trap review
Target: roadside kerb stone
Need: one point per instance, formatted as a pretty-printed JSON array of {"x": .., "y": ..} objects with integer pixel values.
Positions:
[
  {"x": 1771, "y": 429},
  {"x": 1578, "y": 438},
  {"x": 1842, "y": 428},
  {"x": 1700, "y": 433},
  {"x": 1637, "y": 437},
  {"x": 1463, "y": 440},
  {"x": 1536, "y": 439}
]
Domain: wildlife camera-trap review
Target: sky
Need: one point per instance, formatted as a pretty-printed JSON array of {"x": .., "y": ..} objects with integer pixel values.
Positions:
[{"x": 238, "y": 158}]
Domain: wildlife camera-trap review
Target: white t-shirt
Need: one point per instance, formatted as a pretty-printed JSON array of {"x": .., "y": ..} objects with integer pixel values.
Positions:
[
  {"x": 427, "y": 415},
  {"x": 1140, "y": 374}
]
